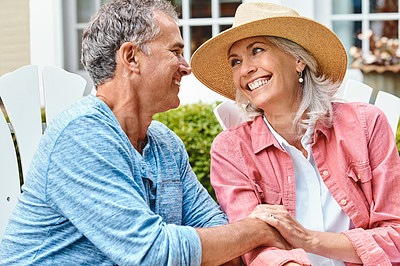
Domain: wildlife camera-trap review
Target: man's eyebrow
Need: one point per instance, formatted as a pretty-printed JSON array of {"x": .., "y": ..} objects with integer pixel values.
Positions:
[{"x": 178, "y": 44}]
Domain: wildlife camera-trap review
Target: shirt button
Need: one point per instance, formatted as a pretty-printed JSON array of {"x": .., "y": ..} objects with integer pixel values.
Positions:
[
  {"x": 325, "y": 173},
  {"x": 359, "y": 177},
  {"x": 289, "y": 179},
  {"x": 343, "y": 202}
]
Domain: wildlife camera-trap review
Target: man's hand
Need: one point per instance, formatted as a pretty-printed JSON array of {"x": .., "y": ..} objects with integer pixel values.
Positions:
[
  {"x": 278, "y": 217},
  {"x": 223, "y": 243}
]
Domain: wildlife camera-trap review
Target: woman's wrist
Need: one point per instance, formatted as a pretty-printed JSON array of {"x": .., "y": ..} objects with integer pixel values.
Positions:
[{"x": 312, "y": 241}]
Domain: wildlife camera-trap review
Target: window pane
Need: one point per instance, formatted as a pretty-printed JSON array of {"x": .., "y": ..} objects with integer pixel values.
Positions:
[
  {"x": 387, "y": 28},
  {"x": 384, "y": 6},
  {"x": 347, "y": 31},
  {"x": 199, "y": 34},
  {"x": 200, "y": 8},
  {"x": 228, "y": 7},
  {"x": 224, "y": 27},
  {"x": 346, "y": 7},
  {"x": 85, "y": 9},
  {"x": 178, "y": 6}
]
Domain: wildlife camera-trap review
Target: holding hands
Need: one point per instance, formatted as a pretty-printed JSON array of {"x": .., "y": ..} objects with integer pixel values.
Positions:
[
  {"x": 330, "y": 245},
  {"x": 278, "y": 217}
]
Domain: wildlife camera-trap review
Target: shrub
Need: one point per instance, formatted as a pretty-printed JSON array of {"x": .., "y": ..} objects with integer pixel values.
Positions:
[{"x": 197, "y": 126}]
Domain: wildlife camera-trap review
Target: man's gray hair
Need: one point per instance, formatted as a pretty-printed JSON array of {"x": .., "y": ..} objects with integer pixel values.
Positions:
[
  {"x": 114, "y": 24},
  {"x": 317, "y": 91}
]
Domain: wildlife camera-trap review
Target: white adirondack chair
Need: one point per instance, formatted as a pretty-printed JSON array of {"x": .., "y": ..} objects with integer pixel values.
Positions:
[
  {"x": 356, "y": 91},
  {"x": 229, "y": 114},
  {"x": 20, "y": 93},
  {"x": 390, "y": 105}
]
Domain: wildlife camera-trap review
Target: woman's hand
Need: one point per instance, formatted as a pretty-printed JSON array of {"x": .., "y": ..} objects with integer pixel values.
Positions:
[
  {"x": 326, "y": 244},
  {"x": 278, "y": 217}
]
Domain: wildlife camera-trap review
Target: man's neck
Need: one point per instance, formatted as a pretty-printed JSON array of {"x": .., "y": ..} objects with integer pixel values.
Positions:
[{"x": 133, "y": 121}]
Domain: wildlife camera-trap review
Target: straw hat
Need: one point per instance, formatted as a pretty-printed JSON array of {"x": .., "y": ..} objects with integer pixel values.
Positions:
[{"x": 210, "y": 61}]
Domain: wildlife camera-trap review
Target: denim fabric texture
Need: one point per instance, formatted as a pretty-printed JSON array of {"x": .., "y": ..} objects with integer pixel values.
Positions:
[{"x": 91, "y": 199}]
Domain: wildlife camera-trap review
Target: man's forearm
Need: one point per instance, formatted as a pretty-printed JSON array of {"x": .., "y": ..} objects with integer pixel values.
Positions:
[{"x": 223, "y": 243}]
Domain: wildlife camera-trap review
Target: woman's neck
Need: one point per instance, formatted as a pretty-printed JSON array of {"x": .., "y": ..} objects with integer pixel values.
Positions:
[{"x": 282, "y": 123}]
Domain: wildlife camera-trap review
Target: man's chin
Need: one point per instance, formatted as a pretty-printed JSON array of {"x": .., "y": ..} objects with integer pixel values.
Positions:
[{"x": 176, "y": 104}]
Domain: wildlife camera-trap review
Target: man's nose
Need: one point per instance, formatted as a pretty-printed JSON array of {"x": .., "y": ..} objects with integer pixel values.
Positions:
[{"x": 184, "y": 67}]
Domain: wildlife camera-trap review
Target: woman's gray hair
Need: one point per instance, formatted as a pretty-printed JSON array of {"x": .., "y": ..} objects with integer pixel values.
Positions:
[
  {"x": 114, "y": 24},
  {"x": 317, "y": 95}
]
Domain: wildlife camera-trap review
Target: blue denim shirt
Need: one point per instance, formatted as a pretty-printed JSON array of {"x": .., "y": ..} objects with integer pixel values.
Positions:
[{"x": 91, "y": 198}]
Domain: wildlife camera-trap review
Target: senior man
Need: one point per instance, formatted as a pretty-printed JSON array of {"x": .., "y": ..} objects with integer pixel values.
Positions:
[{"x": 110, "y": 186}]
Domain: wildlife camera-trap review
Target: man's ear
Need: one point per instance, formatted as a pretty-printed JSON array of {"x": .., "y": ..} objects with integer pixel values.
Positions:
[{"x": 128, "y": 56}]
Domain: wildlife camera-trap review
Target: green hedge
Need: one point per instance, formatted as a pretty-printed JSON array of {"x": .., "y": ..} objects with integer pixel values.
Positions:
[{"x": 197, "y": 126}]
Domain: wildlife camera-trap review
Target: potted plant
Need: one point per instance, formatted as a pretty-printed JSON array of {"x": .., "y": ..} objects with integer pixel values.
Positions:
[{"x": 381, "y": 65}]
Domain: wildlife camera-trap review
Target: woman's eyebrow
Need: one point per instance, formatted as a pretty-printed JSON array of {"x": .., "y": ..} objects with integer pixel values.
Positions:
[
  {"x": 232, "y": 55},
  {"x": 247, "y": 48}
]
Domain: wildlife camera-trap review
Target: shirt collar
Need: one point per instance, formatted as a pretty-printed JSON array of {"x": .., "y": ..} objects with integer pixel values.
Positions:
[
  {"x": 306, "y": 140},
  {"x": 261, "y": 136}
]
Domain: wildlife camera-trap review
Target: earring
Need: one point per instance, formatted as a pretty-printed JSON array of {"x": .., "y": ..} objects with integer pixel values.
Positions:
[{"x": 301, "y": 77}]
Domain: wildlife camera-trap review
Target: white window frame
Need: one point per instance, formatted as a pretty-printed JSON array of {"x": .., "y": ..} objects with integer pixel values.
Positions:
[
  {"x": 186, "y": 22},
  {"x": 325, "y": 15},
  {"x": 71, "y": 28}
]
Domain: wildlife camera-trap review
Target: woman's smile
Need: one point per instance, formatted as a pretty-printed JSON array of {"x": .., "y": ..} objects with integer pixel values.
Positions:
[{"x": 258, "y": 83}]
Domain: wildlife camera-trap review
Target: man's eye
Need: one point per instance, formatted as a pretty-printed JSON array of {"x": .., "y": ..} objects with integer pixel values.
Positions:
[
  {"x": 257, "y": 50},
  {"x": 235, "y": 62}
]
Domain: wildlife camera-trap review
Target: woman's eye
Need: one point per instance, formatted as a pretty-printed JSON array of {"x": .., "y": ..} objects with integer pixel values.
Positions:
[
  {"x": 235, "y": 62},
  {"x": 257, "y": 50}
]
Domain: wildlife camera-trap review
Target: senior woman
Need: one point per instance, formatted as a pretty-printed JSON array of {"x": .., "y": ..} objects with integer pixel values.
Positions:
[{"x": 326, "y": 173}]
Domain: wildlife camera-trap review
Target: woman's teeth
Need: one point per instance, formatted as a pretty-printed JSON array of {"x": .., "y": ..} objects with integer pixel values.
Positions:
[
  {"x": 176, "y": 82},
  {"x": 257, "y": 84}
]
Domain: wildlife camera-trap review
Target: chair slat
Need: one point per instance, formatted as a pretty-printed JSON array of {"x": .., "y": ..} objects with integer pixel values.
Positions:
[
  {"x": 229, "y": 114},
  {"x": 9, "y": 176},
  {"x": 390, "y": 105},
  {"x": 61, "y": 89},
  {"x": 19, "y": 91},
  {"x": 356, "y": 91}
]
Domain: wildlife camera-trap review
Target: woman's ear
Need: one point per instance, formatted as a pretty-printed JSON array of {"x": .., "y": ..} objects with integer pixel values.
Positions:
[
  {"x": 300, "y": 65},
  {"x": 128, "y": 56}
]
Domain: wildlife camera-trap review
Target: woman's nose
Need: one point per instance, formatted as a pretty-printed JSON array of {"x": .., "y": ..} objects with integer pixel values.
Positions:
[
  {"x": 184, "y": 67},
  {"x": 247, "y": 68}
]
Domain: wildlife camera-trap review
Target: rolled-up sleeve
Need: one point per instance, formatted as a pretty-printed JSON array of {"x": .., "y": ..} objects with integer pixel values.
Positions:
[{"x": 379, "y": 244}]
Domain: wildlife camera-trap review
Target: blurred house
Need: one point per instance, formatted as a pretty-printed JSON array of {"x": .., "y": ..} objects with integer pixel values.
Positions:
[
  {"x": 48, "y": 32},
  {"x": 14, "y": 35}
]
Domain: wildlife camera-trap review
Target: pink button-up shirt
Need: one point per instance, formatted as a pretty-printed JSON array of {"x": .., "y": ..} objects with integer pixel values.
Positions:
[{"x": 358, "y": 160}]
